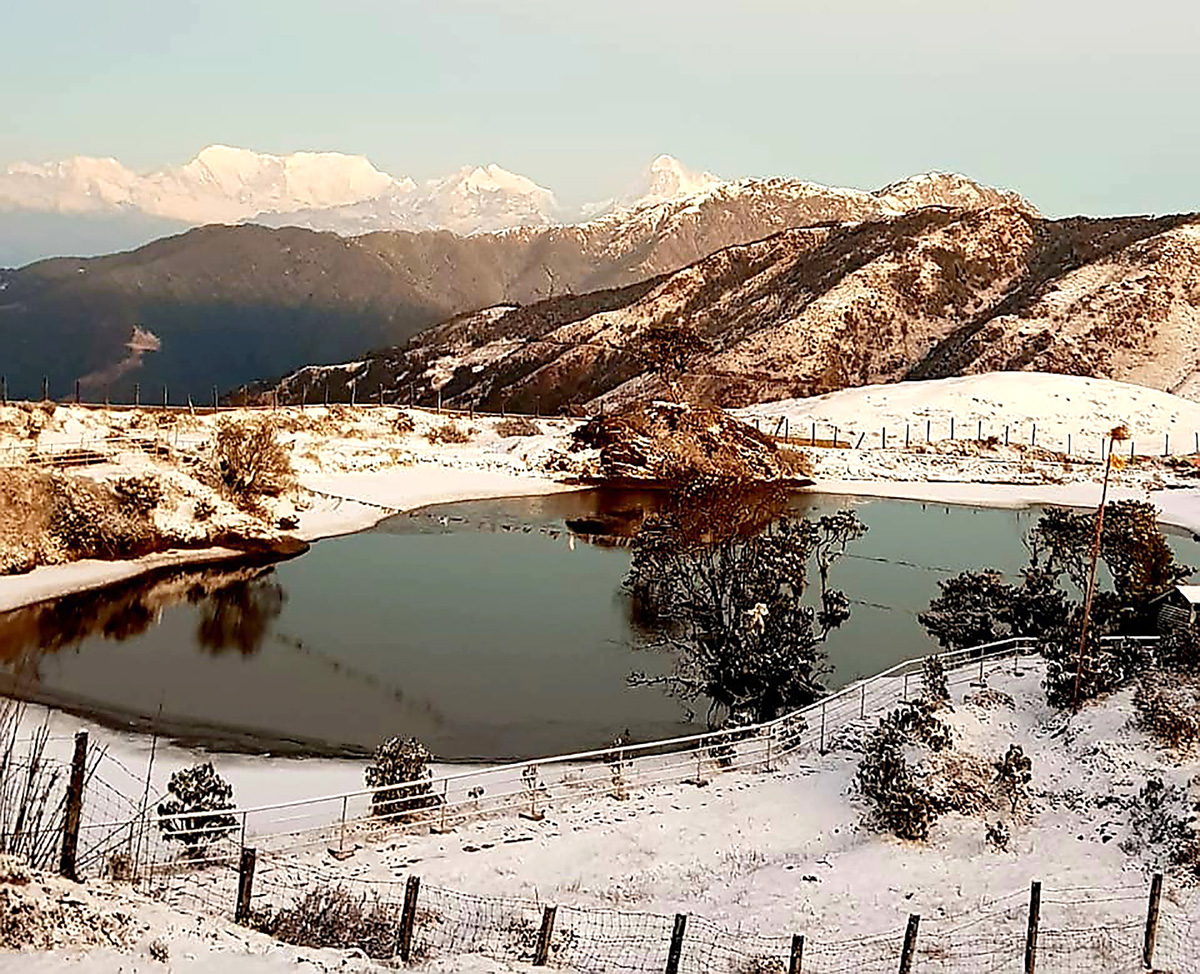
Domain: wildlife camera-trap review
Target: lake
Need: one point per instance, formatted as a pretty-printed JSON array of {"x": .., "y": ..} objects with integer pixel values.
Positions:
[{"x": 487, "y": 629}]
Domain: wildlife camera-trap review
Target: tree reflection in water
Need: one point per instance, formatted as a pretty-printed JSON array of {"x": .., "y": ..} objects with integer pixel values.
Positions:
[{"x": 239, "y": 616}]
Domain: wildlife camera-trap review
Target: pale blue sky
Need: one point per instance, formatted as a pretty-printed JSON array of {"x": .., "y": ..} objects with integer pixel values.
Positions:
[{"x": 1083, "y": 106}]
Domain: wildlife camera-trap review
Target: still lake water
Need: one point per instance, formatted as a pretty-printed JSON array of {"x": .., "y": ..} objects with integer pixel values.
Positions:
[{"x": 484, "y": 628}]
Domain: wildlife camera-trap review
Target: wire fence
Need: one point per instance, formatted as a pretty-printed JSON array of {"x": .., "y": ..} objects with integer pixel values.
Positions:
[{"x": 253, "y": 863}]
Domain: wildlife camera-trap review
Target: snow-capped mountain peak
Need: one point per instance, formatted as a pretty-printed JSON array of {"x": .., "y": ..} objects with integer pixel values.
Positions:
[{"x": 668, "y": 178}]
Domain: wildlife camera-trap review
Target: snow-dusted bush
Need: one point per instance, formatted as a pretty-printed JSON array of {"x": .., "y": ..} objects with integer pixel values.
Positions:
[
  {"x": 401, "y": 761},
  {"x": 404, "y": 424},
  {"x": 138, "y": 495},
  {"x": 1168, "y": 706},
  {"x": 201, "y": 794},
  {"x": 1107, "y": 666},
  {"x": 203, "y": 509},
  {"x": 1179, "y": 649},
  {"x": 1014, "y": 771},
  {"x": 935, "y": 690},
  {"x": 1162, "y": 826},
  {"x": 898, "y": 801},
  {"x": 87, "y": 521},
  {"x": 250, "y": 458}
]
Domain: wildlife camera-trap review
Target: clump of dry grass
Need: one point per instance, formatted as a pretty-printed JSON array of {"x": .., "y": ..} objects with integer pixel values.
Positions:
[
  {"x": 250, "y": 458},
  {"x": 448, "y": 432},
  {"x": 517, "y": 426}
]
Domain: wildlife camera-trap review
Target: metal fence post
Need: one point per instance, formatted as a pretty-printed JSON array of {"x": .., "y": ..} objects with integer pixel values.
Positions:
[
  {"x": 1035, "y": 909},
  {"x": 408, "y": 917},
  {"x": 342, "y": 835},
  {"x": 1152, "y": 922},
  {"x": 1033, "y": 436},
  {"x": 1166, "y": 444},
  {"x": 910, "y": 944},
  {"x": 862, "y": 703},
  {"x": 74, "y": 809},
  {"x": 245, "y": 889},
  {"x": 676, "y": 951},
  {"x": 951, "y": 427},
  {"x": 541, "y": 955},
  {"x": 821, "y": 748}
]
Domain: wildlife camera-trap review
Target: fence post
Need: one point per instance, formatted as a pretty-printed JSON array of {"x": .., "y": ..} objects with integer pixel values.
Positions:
[
  {"x": 676, "y": 951},
  {"x": 1068, "y": 444},
  {"x": 76, "y": 392},
  {"x": 214, "y": 392},
  {"x": 821, "y": 748},
  {"x": 928, "y": 430},
  {"x": 137, "y": 393},
  {"x": 408, "y": 916},
  {"x": 1166, "y": 444},
  {"x": 905, "y": 685},
  {"x": 862, "y": 703},
  {"x": 245, "y": 885},
  {"x": 1033, "y": 436},
  {"x": 797, "y": 954},
  {"x": 951, "y": 427},
  {"x": 1035, "y": 910},
  {"x": 542, "y": 954},
  {"x": 770, "y": 740},
  {"x": 979, "y": 433},
  {"x": 1152, "y": 922},
  {"x": 835, "y": 437},
  {"x": 342, "y": 834},
  {"x": 74, "y": 811},
  {"x": 4, "y": 389},
  {"x": 906, "y": 428},
  {"x": 910, "y": 944},
  {"x": 883, "y": 438},
  {"x": 813, "y": 439},
  {"x": 1006, "y": 436}
]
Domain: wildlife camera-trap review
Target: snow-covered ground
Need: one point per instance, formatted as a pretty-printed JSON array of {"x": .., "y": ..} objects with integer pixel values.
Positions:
[
  {"x": 770, "y": 853},
  {"x": 777, "y": 853}
]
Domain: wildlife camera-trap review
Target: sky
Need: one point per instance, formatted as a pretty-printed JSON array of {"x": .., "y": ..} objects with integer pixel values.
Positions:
[{"x": 1084, "y": 107}]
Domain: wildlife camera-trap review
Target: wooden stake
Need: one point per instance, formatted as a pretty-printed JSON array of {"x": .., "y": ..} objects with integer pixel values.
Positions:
[
  {"x": 542, "y": 954},
  {"x": 676, "y": 951},
  {"x": 1152, "y": 922},
  {"x": 70, "y": 844},
  {"x": 245, "y": 885},
  {"x": 797, "y": 954},
  {"x": 1035, "y": 909},
  {"x": 408, "y": 917},
  {"x": 910, "y": 944}
]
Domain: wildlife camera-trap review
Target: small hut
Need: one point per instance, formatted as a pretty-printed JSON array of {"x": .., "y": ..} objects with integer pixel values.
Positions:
[{"x": 1177, "y": 608}]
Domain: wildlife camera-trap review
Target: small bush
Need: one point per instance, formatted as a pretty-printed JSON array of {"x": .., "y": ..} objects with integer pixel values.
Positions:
[
  {"x": 1107, "y": 666},
  {"x": 401, "y": 761},
  {"x": 899, "y": 803},
  {"x": 203, "y": 509},
  {"x": 935, "y": 690},
  {"x": 998, "y": 836},
  {"x": 86, "y": 520},
  {"x": 1168, "y": 707},
  {"x": 250, "y": 459},
  {"x": 138, "y": 495},
  {"x": 1179, "y": 649},
  {"x": 404, "y": 424},
  {"x": 448, "y": 432},
  {"x": 334, "y": 917},
  {"x": 1014, "y": 771},
  {"x": 197, "y": 790},
  {"x": 517, "y": 426},
  {"x": 1162, "y": 826}
]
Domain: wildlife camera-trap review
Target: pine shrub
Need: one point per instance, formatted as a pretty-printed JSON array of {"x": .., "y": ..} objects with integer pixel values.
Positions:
[
  {"x": 200, "y": 792},
  {"x": 401, "y": 761}
]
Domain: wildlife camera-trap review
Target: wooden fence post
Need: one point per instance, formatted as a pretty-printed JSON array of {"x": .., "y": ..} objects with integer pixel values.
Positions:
[
  {"x": 137, "y": 393},
  {"x": 1152, "y": 922},
  {"x": 74, "y": 810},
  {"x": 541, "y": 955},
  {"x": 1035, "y": 910},
  {"x": 408, "y": 916},
  {"x": 1166, "y": 444},
  {"x": 951, "y": 427},
  {"x": 676, "y": 951},
  {"x": 245, "y": 888},
  {"x": 821, "y": 748},
  {"x": 1033, "y": 436},
  {"x": 910, "y": 944},
  {"x": 797, "y": 954},
  {"x": 4, "y": 389}
]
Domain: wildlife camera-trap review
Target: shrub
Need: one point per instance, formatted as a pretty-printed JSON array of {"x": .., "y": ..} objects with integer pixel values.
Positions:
[
  {"x": 138, "y": 495},
  {"x": 203, "y": 509},
  {"x": 899, "y": 803},
  {"x": 517, "y": 426},
  {"x": 935, "y": 690},
  {"x": 401, "y": 761},
  {"x": 333, "y": 917},
  {"x": 85, "y": 519},
  {"x": 917, "y": 722},
  {"x": 1168, "y": 707},
  {"x": 250, "y": 458},
  {"x": 448, "y": 432},
  {"x": 197, "y": 790},
  {"x": 997, "y": 835},
  {"x": 1014, "y": 771},
  {"x": 404, "y": 424},
  {"x": 1179, "y": 649},
  {"x": 1107, "y": 666},
  {"x": 1162, "y": 826}
]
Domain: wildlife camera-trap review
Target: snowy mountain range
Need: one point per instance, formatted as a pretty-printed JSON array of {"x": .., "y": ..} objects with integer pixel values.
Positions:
[{"x": 83, "y": 205}]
